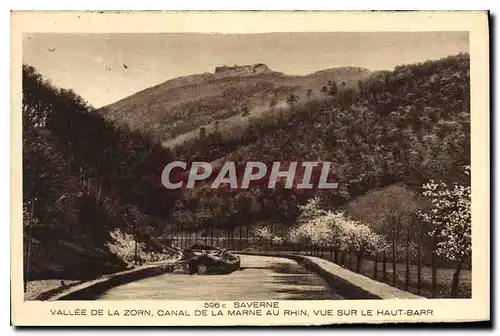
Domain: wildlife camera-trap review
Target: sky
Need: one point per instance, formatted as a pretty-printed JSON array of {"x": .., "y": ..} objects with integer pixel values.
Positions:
[{"x": 104, "y": 68}]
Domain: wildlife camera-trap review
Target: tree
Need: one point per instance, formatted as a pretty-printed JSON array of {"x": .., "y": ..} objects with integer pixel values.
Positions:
[
  {"x": 361, "y": 239},
  {"x": 132, "y": 217},
  {"x": 450, "y": 218},
  {"x": 361, "y": 87},
  {"x": 245, "y": 111},
  {"x": 272, "y": 103},
  {"x": 38, "y": 97},
  {"x": 264, "y": 236},
  {"x": 309, "y": 94},
  {"x": 203, "y": 132},
  {"x": 292, "y": 99},
  {"x": 28, "y": 218},
  {"x": 312, "y": 209},
  {"x": 388, "y": 211},
  {"x": 326, "y": 229},
  {"x": 332, "y": 91}
]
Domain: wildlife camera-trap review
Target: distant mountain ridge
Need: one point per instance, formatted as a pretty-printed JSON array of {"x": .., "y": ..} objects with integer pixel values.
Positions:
[{"x": 185, "y": 104}]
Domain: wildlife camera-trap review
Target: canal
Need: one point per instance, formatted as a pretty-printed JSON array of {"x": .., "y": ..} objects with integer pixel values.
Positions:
[{"x": 260, "y": 278}]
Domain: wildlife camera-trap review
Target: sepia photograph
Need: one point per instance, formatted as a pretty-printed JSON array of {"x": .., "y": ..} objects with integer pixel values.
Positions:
[{"x": 242, "y": 170}]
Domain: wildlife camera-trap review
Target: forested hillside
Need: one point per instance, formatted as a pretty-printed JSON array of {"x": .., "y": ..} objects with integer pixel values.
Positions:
[
  {"x": 407, "y": 126},
  {"x": 83, "y": 178},
  {"x": 185, "y": 104}
]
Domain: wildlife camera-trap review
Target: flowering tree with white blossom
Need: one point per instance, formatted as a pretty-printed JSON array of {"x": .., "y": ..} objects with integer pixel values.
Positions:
[
  {"x": 266, "y": 236},
  {"x": 264, "y": 233},
  {"x": 311, "y": 210},
  {"x": 323, "y": 228},
  {"x": 450, "y": 221},
  {"x": 360, "y": 238}
]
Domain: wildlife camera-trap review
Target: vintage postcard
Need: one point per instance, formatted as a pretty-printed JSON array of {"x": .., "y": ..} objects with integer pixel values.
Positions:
[{"x": 249, "y": 168}]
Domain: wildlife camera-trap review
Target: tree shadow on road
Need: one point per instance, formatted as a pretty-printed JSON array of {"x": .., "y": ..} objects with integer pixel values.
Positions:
[
  {"x": 301, "y": 294},
  {"x": 300, "y": 284}
]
